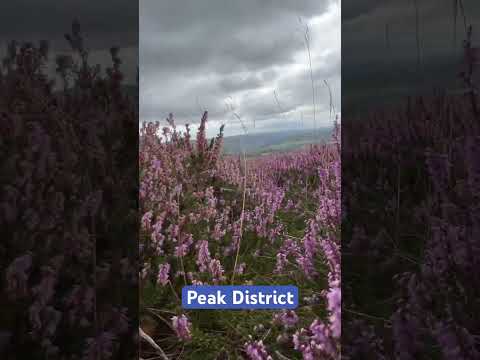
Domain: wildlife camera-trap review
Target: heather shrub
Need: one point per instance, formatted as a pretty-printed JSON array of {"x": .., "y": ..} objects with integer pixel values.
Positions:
[
  {"x": 214, "y": 219},
  {"x": 68, "y": 206},
  {"x": 410, "y": 229}
]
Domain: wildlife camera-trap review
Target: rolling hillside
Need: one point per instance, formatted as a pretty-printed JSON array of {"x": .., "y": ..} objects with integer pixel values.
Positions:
[{"x": 263, "y": 143}]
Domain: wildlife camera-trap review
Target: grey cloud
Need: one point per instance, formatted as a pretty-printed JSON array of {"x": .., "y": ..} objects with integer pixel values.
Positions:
[
  {"x": 220, "y": 46},
  {"x": 238, "y": 82},
  {"x": 194, "y": 55},
  {"x": 105, "y": 22},
  {"x": 181, "y": 15},
  {"x": 352, "y": 9},
  {"x": 375, "y": 73}
]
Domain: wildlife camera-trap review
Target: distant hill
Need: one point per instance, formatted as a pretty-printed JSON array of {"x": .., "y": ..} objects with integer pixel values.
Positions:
[{"x": 274, "y": 141}]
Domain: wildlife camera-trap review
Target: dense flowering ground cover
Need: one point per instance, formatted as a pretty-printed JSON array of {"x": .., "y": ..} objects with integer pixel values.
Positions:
[
  {"x": 212, "y": 219},
  {"x": 68, "y": 206},
  {"x": 411, "y": 225}
]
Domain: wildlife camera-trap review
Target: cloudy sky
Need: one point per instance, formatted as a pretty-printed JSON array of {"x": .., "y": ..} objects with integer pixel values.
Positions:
[
  {"x": 211, "y": 54},
  {"x": 104, "y": 24},
  {"x": 245, "y": 57},
  {"x": 377, "y": 72}
]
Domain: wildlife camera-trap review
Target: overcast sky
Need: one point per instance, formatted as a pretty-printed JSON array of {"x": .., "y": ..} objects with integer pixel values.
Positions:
[
  {"x": 375, "y": 72},
  {"x": 215, "y": 54},
  {"x": 105, "y": 24},
  {"x": 200, "y": 54}
]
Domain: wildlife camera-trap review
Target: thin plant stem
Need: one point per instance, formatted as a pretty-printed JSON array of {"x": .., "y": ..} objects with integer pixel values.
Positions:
[
  {"x": 242, "y": 215},
  {"x": 307, "y": 42}
]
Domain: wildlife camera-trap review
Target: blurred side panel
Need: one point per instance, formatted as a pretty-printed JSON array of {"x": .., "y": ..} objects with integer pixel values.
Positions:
[
  {"x": 68, "y": 180},
  {"x": 410, "y": 179}
]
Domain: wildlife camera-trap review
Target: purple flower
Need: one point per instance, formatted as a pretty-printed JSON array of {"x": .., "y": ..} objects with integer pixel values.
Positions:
[
  {"x": 203, "y": 255},
  {"x": 287, "y": 318},
  {"x": 181, "y": 326},
  {"x": 17, "y": 276},
  {"x": 163, "y": 274},
  {"x": 257, "y": 351}
]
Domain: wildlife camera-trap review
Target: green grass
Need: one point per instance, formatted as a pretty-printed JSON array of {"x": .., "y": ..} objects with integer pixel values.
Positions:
[{"x": 217, "y": 332}]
